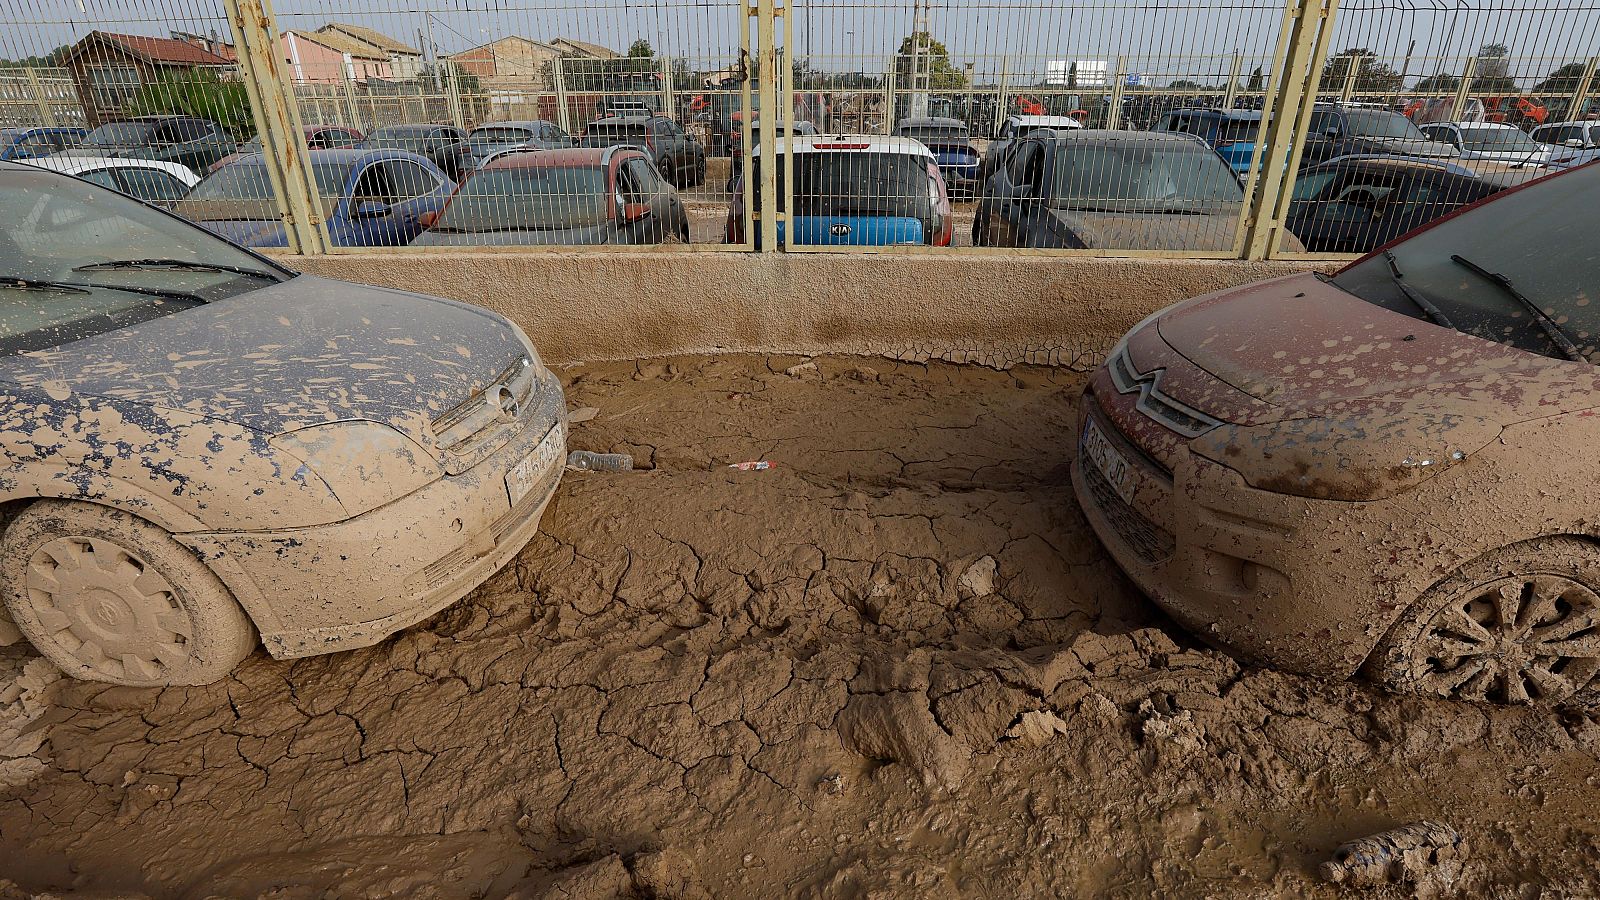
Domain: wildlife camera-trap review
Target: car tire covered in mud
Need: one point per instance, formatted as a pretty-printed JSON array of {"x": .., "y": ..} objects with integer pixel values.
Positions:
[
  {"x": 107, "y": 596},
  {"x": 1518, "y": 625}
]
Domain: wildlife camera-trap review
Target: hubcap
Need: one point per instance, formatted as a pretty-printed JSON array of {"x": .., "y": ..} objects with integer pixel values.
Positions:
[
  {"x": 108, "y": 608},
  {"x": 1524, "y": 639}
]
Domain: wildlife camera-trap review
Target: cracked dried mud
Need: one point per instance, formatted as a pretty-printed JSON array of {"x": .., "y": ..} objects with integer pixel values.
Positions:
[{"x": 895, "y": 664}]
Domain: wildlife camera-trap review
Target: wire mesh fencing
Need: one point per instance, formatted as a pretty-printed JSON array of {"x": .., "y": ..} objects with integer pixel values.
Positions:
[{"x": 1113, "y": 127}]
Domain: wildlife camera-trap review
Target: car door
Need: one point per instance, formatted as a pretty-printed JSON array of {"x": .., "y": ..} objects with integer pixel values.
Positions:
[
  {"x": 150, "y": 185},
  {"x": 1015, "y": 203},
  {"x": 414, "y": 191},
  {"x": 639, "y": 183},
  {"x": 368, "y": 211}
]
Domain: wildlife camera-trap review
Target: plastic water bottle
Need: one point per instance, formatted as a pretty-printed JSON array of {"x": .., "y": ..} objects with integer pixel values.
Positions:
[{"x": 600, "y": 462}]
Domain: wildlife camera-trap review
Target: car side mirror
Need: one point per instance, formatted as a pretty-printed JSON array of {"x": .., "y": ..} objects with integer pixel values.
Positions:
[
  {"x": 633, "y": 212},
  {"x": 370, "y": 209},
  {"x": 427, "y": 219},
  {"x": 1574, "y": 143}
]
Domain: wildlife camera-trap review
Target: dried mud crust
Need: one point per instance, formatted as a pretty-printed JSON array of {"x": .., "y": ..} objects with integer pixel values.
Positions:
[{"x": 895, "y": 664}]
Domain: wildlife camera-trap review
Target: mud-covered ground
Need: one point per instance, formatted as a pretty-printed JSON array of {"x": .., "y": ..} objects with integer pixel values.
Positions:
[{"x": 896, "y": 664}]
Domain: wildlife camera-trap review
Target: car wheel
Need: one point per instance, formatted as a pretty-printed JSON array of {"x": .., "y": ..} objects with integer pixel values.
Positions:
[
  {"x": 1520, "y": 625},
  {"x": 669, "y": 172},
  {"x": 107, "y": 596},
  {"x": 699, "y": 172}
]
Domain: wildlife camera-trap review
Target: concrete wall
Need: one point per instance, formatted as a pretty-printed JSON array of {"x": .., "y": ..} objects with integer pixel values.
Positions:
[{"x": 995, "y": 310}]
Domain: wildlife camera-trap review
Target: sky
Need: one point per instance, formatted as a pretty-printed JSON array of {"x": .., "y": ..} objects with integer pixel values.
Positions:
[{"x": 1161, "y": 39}]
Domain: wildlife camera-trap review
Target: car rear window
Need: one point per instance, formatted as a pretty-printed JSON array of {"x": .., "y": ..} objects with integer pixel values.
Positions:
[
  {"x": 1379, "y": 124},
  {"x": 120, "y": 134},
  {"x": 1233, "y": 131},
  {"x": 1165, "y": 176},
  {"x": 605, "y": 135},
  {"x": 533, "y": 198},
  {"x": 499, "y": 135},
  {"x": 857, "y": 184}
]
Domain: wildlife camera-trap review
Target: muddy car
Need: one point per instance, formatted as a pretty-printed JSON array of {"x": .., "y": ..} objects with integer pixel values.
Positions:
[
  {"x": 1387, "y": 471},
  {"x": 202, "y": 446}
]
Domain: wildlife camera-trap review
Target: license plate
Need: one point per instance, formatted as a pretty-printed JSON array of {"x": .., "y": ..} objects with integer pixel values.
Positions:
[
  {"x": 1097, "y": 448},
  {"x": 531, "y": 469}
]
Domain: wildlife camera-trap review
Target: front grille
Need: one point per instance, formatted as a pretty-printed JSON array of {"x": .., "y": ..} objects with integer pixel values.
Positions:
[
  {"x": 442, "y": 570},
  {"x": 1171, "y": 413},
  {"x": 1149, "y": 541},
  {"x": 480, "y": 420}
]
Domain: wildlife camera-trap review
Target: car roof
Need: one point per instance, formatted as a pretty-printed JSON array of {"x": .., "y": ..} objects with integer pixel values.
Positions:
[
  {"x": 345, "y": 155},
  {"x": 1048, "y": 121},
  {"x": 73, "y": 165},
  {"x": 931, "y": 122},
  {"x": 409, "y": 128},
  {"x": 857, "y": 143},
  {"x": 1246, "y": 115},
  {"x": 1111, "y": 137},
  {"x": 515, "y": 123},
  {"x": 534, "y": 159},
  {"x": 1477, "y": 125},
  {"x": 624, "y": 120},
  {"x": 1386, "y": 161}
]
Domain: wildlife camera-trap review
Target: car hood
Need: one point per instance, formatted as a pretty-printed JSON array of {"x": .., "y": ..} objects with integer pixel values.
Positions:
[
  {"x": 1410, "y": 147},
  {"x": 303, "y": 352},
  {"x": 1298, "y": 347},
  {"x": 1213, "y": 230}
]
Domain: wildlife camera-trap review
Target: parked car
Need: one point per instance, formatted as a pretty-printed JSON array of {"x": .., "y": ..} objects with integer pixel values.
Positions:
[
  {"x": 952, "y": 147},
  {"x": 31, "y": 143},
  {"x": 1015, "y": 128},
  {"x": 205, "y": 447},
  {"x": 1230, "y": 132},
  {"x": 190, "y": 142},
  {"x": 1385, "y": 471},
  {"x": 318, "y": 137},
  {"x": 736, "y": 165},
  {"x": 1354, "y": 131},
  {"x": 1491, "y": 141},
  {"x": 1115, "y": 190},
  {"x": 1356, "y": 204},
  {"x": 151, "y": 181},
  {"x": 443, "y": 145},
  {"x": 370, "y": 198},
  {"x": 678, "y": 157},
  {"x": 578, "y": 196},
  {"x": 858, "y": 190},
  {"x": 1571, "y": 143},
  {"x": 492, "y": 138}
]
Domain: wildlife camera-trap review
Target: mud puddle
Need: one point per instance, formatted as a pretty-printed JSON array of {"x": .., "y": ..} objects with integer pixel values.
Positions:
[{"x": 893, "y": 664}]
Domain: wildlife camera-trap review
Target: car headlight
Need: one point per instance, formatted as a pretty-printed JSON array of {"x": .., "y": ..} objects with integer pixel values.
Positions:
[
  {"x": 1353, "y": 457},
  {"x": 527, "y": 345},
  {"x": 365, "y": 464}
]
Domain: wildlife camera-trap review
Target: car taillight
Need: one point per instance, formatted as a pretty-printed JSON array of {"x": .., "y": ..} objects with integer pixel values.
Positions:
[{"x": 939, "y": 199}]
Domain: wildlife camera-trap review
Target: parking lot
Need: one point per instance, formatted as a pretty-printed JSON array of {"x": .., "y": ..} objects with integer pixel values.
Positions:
[{"x": 896, "y": 663}]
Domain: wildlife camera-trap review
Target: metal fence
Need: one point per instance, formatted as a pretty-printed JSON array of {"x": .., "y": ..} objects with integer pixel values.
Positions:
[{"x": 1197, "y": 128}]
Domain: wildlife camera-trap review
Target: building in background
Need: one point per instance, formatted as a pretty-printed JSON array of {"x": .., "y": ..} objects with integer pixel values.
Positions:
[
  {"x": 511, "y": 62},
  {"x": 109, "y": 69},
  {"x": 405, "y": 61},
  {"x": 583, "y": 49},
  {"x": 329, "y": 57}
]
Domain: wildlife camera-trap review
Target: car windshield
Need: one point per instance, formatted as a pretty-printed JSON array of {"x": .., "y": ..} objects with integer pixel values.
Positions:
[
  {"x": 56, "y": 234},
  {"x": 243, "y": 190},
  {"x": 1142, "y": 176},
  {"x": 484, "y": 137},
  {"x": 398, "y": 138},
  {"x": 1502, "y": 139},
  {"x": 857, "y": 184},
  {"x": 120, "y": 134},
  {"x": 1373, "y": 123},
  {"x": 936, "y": 134},
  {"x": 1532, "y": 237},
  {"x": 530, "y": 198}
]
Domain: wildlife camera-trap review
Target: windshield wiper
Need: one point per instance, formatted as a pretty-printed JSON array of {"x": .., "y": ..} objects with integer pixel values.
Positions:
[
  {"x": 1551, "y": 329},
  {"x": 1428, "y": 308},
  {"x": 179, "y": 264},
  {"x": 34, "y": 284}
]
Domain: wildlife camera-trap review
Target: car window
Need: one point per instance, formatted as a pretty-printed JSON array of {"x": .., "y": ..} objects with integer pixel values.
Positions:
[
  {"x": 183, "y": 131},
  {"x": 102, "y": 177},
  {"x": 38, "y": 143},
  {"x": 1311, "y": 185},
  {"x": 373, "y": 185},
  {"x": 641, "y": 178},
  {"x": 408, "y": 180},
  {"x": 1324, "y": 122},
  {"x": 151, "y": 185},
  {"x": 1024, "y": 162}
]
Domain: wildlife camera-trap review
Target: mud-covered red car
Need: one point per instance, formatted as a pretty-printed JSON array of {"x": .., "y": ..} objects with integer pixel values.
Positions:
[
  {"x": 1390, "y": 470},
  {"x": 201, "y": 445}
]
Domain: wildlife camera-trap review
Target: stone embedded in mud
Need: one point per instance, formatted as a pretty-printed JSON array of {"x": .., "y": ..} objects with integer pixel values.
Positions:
[
  {"x": 978, "y": 579},
  {"x": 899, "y": 726},
  {"x": 1036, "y": 727}
]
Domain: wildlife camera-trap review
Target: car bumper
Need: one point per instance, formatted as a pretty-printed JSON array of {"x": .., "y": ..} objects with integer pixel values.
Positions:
[
  {"x": 352, "y": 583},
  {"x": 1306, "y": 585}
]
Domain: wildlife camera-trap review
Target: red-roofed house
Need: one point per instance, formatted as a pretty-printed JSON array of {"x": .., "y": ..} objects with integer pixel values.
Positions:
[{"x": 108, "y": 68}]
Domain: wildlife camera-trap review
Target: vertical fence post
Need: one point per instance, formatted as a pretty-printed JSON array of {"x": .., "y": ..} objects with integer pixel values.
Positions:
[
  {"x": 1235, "y": 70},
  {"x": 353, "y": 108},
  {"x": 1464, "y": 89},
  {"x": 1351, "y": 70},
  {"x": 1292, "y": 97},
  {"x": 1000, "y": 99},
  {"x": 888, "y": 96},
  {"x": 666, "y": 87},
  {"x": 452, "y": 93},
  {"x": 47, "y": 112},
  {"x": 277, "y": 121},
  {"x": 1119, "y": 79},
  {"x": 558, "y": 74},
  {"x": 1580, "y": 94},
  {"x": 767, "y": 76}
]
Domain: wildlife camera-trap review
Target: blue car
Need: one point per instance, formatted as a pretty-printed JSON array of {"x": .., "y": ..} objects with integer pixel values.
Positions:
[
  {"x": 1230, "y": 132},
  {"x": 32, "y": 143},
  {"x": 371, "y": 198},
  {"x": 952, "y": 147}
]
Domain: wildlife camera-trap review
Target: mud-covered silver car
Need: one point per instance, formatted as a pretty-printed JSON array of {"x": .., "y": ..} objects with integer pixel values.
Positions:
[{"x": 201, "y": 445}]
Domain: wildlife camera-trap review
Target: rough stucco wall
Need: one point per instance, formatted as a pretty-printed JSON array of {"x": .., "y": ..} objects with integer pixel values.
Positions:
[{"x": 993, "y": 310}]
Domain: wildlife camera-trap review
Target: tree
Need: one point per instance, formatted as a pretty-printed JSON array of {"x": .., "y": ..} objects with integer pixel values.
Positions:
[
  {"x": 1257, "y": 81},
  {"x": 1492, "y": 75},
  {"x": 1373, "y": 77},
  {"x": 54, "y": 58},
  {"x": 934, "y": 62},
  {"x": 197, "y": 92},
  {"x": 641, "y": 49},
  {"x": 1562, "y": 81},
  {"x": 1185, "y": 84},
  {"x": 1439, "y": 84}
]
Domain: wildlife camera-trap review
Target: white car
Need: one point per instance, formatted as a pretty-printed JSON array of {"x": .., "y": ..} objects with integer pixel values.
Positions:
[
  {"x": 1490, "y": 142},
  {"x": 1570, "y": 143},
  {"x": 1015, "y": 127},
  {"x": 149, "y": 180}
]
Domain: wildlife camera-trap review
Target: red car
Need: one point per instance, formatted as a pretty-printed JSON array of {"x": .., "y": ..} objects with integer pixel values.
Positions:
[{"x": 1388, "y": 471}]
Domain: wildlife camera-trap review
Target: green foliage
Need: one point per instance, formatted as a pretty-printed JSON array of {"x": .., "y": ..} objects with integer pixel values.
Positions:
[
  {"x": 55, "y": 57},
  {"x": 641, "y": 49},
  {"x": 942, "y": 74},
  {"x": 1373, "y": 77},
  {"x": 1258, "y": 81},
  {"x": 1439, "y": 84},
  {"x": 1562, "y": 81},
  {"x": 196, "y": 93}
]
